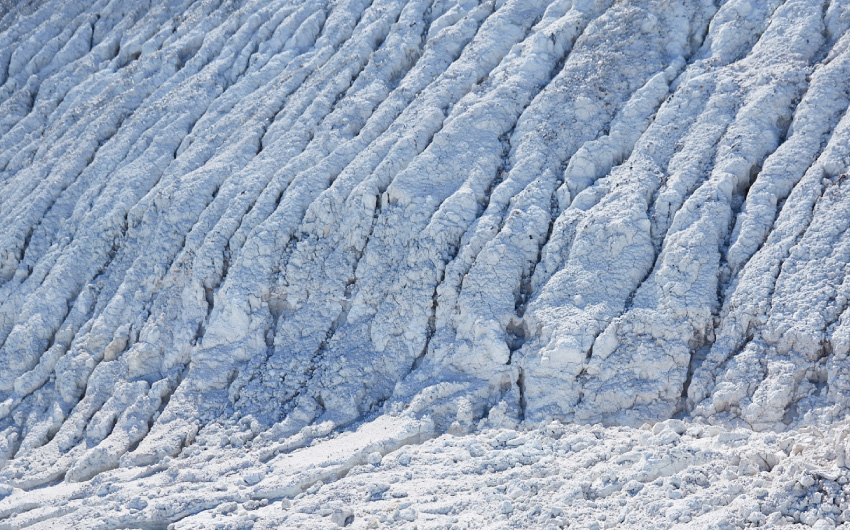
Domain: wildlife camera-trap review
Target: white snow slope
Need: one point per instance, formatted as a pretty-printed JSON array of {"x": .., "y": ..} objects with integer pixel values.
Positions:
[{"x": 424, "y": 263}]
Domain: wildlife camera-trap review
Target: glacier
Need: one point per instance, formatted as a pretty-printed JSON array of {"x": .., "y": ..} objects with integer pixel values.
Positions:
[{"x": 424, "y": 263}]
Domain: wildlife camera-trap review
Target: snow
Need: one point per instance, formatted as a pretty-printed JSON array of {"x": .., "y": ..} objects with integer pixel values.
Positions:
[{"x": 424, "y": 263}]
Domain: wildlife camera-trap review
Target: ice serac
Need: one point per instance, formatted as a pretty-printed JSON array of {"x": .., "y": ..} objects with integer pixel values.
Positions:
[{"x": 257, "y": 227}]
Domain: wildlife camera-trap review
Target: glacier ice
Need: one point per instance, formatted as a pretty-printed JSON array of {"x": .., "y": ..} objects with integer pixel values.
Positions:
[{"x": 566, "y": 261}]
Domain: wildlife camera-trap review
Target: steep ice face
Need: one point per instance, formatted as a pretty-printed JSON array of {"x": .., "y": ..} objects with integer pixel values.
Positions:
[{"x": 258, "y": 223}]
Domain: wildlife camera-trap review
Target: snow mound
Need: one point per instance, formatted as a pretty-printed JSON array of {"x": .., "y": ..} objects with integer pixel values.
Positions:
[{"x": 259, "y": 257}]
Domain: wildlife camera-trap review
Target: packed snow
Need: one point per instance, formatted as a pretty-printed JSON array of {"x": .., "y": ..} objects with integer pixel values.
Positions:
[{"x": 424, "y": 263}]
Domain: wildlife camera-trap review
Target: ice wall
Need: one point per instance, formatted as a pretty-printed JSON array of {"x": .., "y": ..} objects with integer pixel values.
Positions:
[{"x": 241, "y": 222}]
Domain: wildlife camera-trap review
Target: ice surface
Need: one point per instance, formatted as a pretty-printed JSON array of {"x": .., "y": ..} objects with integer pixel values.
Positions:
[{"x": 424, "y": 263}]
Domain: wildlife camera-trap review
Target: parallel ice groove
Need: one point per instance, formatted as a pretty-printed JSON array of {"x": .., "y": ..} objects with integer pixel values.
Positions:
[{"x": 243, "y": 222}]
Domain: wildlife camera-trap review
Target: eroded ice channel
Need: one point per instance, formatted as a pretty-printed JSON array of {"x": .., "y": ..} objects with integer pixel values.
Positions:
[{"x": 263, "y": 262}]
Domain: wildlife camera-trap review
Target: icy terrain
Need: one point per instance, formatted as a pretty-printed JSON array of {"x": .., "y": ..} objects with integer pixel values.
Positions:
[{"x": 424, "y": 263}]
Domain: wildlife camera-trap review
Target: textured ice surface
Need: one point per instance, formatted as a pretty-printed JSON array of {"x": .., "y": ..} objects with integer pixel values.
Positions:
[{"x": 424, "y": 263}]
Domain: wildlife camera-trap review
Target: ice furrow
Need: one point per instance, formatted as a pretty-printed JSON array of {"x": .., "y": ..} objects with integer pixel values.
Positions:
[
  {"x": 375, "y": 199},
  {"x": 239, "y": 235},
  {"x": 761, "y": 275},
  {"x": 319, "y": 334},
  {"x": 675, "y": 284}
]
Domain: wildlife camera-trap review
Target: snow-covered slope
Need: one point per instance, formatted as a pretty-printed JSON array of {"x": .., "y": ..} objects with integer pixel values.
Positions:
[{"x": 242, "y": 238}]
